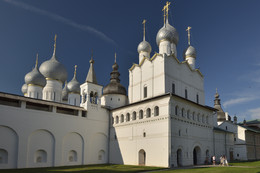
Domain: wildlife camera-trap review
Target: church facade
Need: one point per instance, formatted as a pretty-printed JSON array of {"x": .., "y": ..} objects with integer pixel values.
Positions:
[{"x": 162, "y": 121}]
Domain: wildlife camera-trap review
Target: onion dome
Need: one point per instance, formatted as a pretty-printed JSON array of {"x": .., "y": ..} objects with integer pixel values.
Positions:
[
  {"x": 24, "y": 88},
  {"x": 114, "y": 87},
  {"x": 74, "y": 85},
  {"x": 35, "y": 77},
  {"x": 167, "y": 32},
  {"x": 53, "y": 69},
  {"x": 65, "y": 92},
  {"x": 144, "y": 46},
  {"x": 189, "y": 52}
]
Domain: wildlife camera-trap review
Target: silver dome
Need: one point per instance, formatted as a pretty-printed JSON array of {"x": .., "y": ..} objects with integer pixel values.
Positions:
[
  {"x": 74, "y": 85},
  {"x": 144, "y": 46},
  {"x": 167, "y": 32},
  {"x": 65, "y": 92},
  {"x": 189, "y": 52},
  {"x": 24, "y": 88},
  {"x": 174, "y": 32},
  {"x": 35, "y": 77},
  {"x": 54, "y": 69}
]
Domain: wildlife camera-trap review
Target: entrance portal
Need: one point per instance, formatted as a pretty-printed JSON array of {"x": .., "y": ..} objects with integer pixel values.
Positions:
[
  {"x": 196, "y": 155},
  {"x": 179, "y": 158},
  {"x": 142, "y": 157}
]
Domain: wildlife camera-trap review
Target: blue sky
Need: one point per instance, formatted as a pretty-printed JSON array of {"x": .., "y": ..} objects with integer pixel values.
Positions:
[{"x": 224, "y": 33}]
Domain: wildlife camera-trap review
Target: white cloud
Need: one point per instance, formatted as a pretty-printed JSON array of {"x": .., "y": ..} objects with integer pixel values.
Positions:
[
  {"x": 236, "y": 101},
  {"x": 254, "y": 113},
  {"x": 61, "y": 19}
]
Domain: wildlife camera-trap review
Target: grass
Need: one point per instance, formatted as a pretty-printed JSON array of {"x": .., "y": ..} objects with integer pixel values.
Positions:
[
  {"x": 213, "y": 170},
  {"x": 237, "y": 167},
  {"x": 84, "y": 169}
]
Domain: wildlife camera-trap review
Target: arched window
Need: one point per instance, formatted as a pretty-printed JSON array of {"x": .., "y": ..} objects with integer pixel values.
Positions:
[
  {"x": 173, "y": 88},
  {"x": 156, "y": 111},
  {"x": 122, "y": 119},
  {"x": 145, "y": 91},
  {"x": 40, "y": 156},
  {"x": 148, "y": 112},
  {"x": 127, "y": 117},
  {"x": 3, "y": 156},
  {"x": 176, "y": 110},
  {"x": 117, "y": 119},
  {"x": 134, "y": 116},
  {"x": 113, "y": 120},
  {"x": 182, "y": 112},
  {"x": 203, "y": 119},
  {"x": 188, "y": 114},
  {"x": 72, "y": 156},
  {"x": 193, "y": 116},
  {"x": 197, "y": 98},
  {"x": 101, "y": 155},
  {"x": 141, "y": 114},
  {"x": 179, "y": 132},
  {"x": 198, "y": 117},
  {"x": 207, "y": 119},
  {"x": 186, "y": 94}
]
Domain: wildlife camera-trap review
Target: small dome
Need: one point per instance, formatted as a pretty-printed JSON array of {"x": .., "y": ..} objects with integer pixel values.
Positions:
[
  {"x": 74, "y": 86},
  {"x": 189, "y": 52},
  {"x": 65, "y": 92},
  {"x": 24, "y": 88},
  {"x": 144, "y": 46},
  {"x": 35, "y": 77},
  {"x": 167, "y": 32},
  {"x": 54, "y": 69}
]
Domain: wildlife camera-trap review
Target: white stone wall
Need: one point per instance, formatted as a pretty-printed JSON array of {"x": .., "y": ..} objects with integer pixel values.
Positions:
[
  {"x": 129, "y": 136},
  {"x": 38, "y": 138},
  {"x": 159, "y": 73},
  {"x": 191, "y": 126},
  {"x": 52, "y": 90},
  {"x": 114, "y": 100},
  {"x": 34, "y": 91}
]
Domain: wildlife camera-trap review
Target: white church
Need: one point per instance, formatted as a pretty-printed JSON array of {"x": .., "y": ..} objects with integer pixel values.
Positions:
[{"x": 162, "y": 121}]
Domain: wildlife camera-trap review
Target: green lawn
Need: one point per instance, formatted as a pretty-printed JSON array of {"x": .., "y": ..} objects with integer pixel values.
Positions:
[
  {"x": 84, "y": 169},
  {"x": 213, "y": 170},
  {"x": 238, "y": 167}
]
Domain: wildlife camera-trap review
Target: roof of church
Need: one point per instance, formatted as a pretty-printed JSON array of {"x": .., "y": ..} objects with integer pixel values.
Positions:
[{"x": 165, "y": 95}]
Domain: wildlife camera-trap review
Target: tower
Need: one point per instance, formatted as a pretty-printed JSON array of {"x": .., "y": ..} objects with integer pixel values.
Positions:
[
  {"x": 90, "y": 90},
  {"x": 114, "y": 94},
  {"x": 144, "y": 48},
  {"x": 55, "y": 74},
  {"x": 35, "y": 82},
  {"x": 189, "y": 54}
]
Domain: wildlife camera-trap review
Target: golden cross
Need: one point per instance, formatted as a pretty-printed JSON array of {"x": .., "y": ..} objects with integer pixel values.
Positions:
[
  {"x": 75, "y": 70},
  {"x": 144, "y": 21},
  {"x": 188, "y": 29},
  {"x": 36, "y": 63},
  {"x": 167, "y": 7},
  {"x": 164, "y": 9}
]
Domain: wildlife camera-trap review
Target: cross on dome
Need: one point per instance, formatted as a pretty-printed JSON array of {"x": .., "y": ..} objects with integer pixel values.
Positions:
[{"x": 188, "y": 30}]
